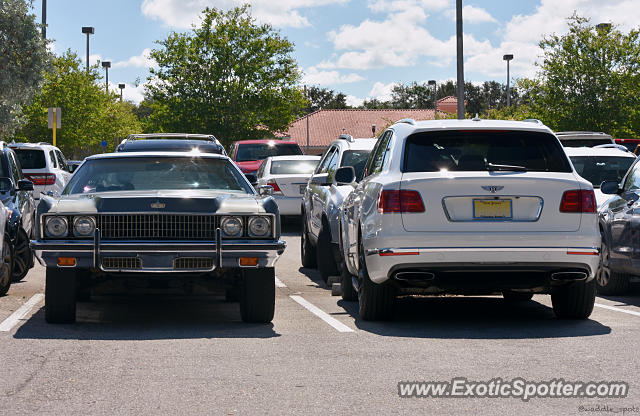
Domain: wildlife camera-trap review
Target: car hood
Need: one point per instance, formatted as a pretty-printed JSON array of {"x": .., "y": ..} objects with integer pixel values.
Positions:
[
  {"x": 249, "y": 165},
  {"x": 174, "y": 201}
]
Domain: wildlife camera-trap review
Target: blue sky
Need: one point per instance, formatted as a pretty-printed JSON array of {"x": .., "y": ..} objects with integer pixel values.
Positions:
[{"x": 358, "y": 47}]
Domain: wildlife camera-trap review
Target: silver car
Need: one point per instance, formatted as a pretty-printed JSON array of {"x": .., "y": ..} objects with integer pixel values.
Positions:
[{"x": 322, "y": 199}]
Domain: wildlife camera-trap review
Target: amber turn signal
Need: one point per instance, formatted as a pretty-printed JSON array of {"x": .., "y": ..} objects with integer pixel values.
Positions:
[
  {"x": 66, "y": 261},
  {"x": 248, "y": 261}
]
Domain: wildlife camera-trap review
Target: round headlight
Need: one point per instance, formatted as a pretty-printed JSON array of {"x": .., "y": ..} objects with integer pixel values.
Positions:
[
  {"x": 259, "y": 226},
  {"x": 56, "y": 227},
  {"x": 84, "y": 226},
  {"x": 231, "y": 226}
]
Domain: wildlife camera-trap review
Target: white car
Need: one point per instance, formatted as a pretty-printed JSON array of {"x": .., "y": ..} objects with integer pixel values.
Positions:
[
  {"x": 599, "y": 164},
  {"x": 288, "y": 176},
  {"x": 470, "y": 207},
  {"x": 44, "y": 165}
]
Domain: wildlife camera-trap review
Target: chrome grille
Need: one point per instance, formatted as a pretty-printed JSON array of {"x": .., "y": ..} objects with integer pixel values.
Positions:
[
  {"x": 193, "y": 263},
  {"x": 121, "y": 263},
  {"x": 157, "y": 226}
]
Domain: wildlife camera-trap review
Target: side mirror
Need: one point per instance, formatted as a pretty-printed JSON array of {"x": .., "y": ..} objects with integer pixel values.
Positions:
[
  {"x": 345, "y": 175},
  {"x": 265, "y": 190},
  {"x": 252, "y": 178},
  {"x": 321, "y": 179},
  {"x": 6, "y": 185},
  {"x": 25, "y": 185},
  {"x": 609, "y": 187}
]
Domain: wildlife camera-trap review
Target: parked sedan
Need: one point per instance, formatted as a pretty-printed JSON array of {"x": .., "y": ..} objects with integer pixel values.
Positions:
[
  {"x": 166, "y": 220},
  {"x": 620, "y": 227},
  {"x": 288, "y": 176},
  {"x": 470, "y": 207}
]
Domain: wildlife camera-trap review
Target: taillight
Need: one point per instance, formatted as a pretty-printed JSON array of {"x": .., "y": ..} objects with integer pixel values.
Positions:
[
  {"x": 275, "y": 186},
  {"x": 41, "y": 178},
  {"x": 578, "y": 200},
  {"x": 400, "y": 201}
]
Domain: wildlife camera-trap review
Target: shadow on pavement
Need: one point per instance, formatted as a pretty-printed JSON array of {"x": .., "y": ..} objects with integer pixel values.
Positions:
[
  {"x": 474, "y": 318},
  {"x": 149, "y": 318},
  {"x": 314, "y": 276},
  {"x": 629, "y": 298}
]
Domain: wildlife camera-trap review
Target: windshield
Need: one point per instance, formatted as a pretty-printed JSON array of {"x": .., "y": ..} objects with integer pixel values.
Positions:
[
  {"x": 484, "y": 150},
  {"x": 597, "y": 169},
  {"x": 357, "y": 159},
  {"x": 155, "y": 173},
  {"x": 292, "y": 167},
  {"x": 31, "y": 158},
  {"x": 261, "y": 151}
]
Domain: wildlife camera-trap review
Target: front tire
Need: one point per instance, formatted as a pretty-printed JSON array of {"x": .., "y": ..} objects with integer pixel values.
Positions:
[
  {"x": 22, "y": 256},
  {"x": 6, "y": 266},
  {"x": 60, "y": 296},
  {"x": 377, "y": 301},
  {"x": 575, "y": 300},
  {"x": 258, "y": 295},
  {"x": 609, "y": 282},
  {"x": 307, "y": 250}
]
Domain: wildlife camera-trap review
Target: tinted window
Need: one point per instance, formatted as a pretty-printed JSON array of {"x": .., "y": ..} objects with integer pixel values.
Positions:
[
  {"x": 259, "y": 151},
  {"x": 151, "y": 173},
  {"x": 478, "y": 150},
  {"x": 31, "y": 158},
  {"x": 52, "y": 157},
  {"x": 376, "y": 163},
  {"x": 61, "y": 161},
  {"x": 584, "y": 142},
  {"x": 597, "y": 169},
  {"x": 357, "y": 159},
  {"x": 322, "y": 166},
  {"x": 292, "y": 167},
  {"x": 633, "y": 180},
  {"x": 15, "y": 169}
]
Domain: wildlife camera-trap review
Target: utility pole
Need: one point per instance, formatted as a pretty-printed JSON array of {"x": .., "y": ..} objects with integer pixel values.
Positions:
[
  {"x": 460, "y": 89},
  {"x": 88, "y": 30},
  {"x": 305, "y": 94},
  {"x": 508, "y": 58},
  {"x": 44, "y": 19},
  {"x": 106, "y": 65}
]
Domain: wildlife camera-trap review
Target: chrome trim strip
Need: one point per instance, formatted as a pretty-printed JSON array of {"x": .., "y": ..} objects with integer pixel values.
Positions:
[{"x": 373, "y": 251}]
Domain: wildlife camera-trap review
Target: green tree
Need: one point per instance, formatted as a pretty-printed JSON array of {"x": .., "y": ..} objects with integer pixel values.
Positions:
[
  {"x": 23, "y": 59},
  {"x": 320, "y": 98},
  {"x": 588, "y": 79},
  {"x": 231, "y": 77},
  {"x": 89, "y": 115}
]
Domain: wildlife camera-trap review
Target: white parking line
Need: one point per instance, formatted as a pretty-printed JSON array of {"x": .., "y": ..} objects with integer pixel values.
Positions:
[
  {"x": 279, "y": 283},
  {"x": 15, "y": 318},
  {"x": 339, "y": 326},
  {"x": 613, "y": 308}
]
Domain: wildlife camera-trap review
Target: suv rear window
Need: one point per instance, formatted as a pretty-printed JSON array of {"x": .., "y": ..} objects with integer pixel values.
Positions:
[
  {"x": 261, "y": 151},
  {"x": 479, "y": 150},
  {"x": 293, "y": 167},
  {"x": 31, "y": 158}
]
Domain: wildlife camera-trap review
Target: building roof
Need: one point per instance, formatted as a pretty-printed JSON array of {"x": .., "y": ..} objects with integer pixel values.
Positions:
[{"x": 326, "y": 125}]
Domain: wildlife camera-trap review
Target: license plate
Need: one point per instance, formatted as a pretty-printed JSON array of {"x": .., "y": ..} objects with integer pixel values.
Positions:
[
  {"x": 302, "y": 188},
  {"x": 492, "y": 209}
]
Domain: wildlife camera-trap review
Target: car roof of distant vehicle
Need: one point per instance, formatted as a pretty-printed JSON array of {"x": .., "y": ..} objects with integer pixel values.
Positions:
[
  {"x": 171, "y": 145},
  {"x": 470, "y": 124},
  {"x": 598, "y": 151},
  {"x": 294, "y": 157},
  {"x": 156, "y": 154},
  {"x": 34, "y": 145},
  {"x": 265, "y": 141},
  {"x": 350, "y": 143},
  {"x": 192, "y": 136},
  {"x": 569, "y": 135}
]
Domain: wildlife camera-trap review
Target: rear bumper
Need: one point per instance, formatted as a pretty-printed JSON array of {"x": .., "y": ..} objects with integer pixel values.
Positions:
[
  {"x": 289, "y": 205},
  {"x": 508, "y": 264}
]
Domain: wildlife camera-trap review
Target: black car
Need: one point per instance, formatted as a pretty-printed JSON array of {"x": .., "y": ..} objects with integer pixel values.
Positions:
[
  {"x": 16, "y": 195},
  {"x": 620, "y": 227},
  {"x": 171, "y": 142},
  {"x": 166, "y": 220}
]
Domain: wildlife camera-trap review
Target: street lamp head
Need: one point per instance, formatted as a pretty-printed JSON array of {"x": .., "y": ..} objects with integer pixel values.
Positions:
[
  {"x": 507, "y": 57},
  {"x": 90, "y": 30},
  {"x": 432, "y": 82},
  {"x": 603, "y": 26},
  {"x": 106, "y": 64},
  {"x": 121, "y": 86}
]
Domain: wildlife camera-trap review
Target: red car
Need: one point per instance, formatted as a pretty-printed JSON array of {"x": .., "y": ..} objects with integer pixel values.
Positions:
[
  {"x": 249, "y": 154},
  {"x": 630, "y": 144}
]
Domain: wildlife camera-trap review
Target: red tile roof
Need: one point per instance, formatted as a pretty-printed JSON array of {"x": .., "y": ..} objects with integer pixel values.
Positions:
[{"x": 326, "y": 125}]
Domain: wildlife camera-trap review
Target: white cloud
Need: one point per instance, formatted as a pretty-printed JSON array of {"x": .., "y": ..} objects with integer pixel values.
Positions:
[
  {"x": 130, "y": 92},
  {"x": 472, "y": 14},
  {"x": 354, "y": 101},
  {"x": 381, "y": 91},
  {"x": 183, "y": 13},
  {"x": 313, "y": 76},
  {"x": 93, "y": 59},
  {"x": 399, "y": 5},
  {"x": 143, "y": 60}
]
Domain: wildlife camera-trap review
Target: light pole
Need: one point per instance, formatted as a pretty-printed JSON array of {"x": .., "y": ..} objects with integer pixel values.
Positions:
[
  {"x": 121, "y": 86},
  {"x": 435, "y": 99},
  {"x": 106, "y": 65},
  {"x": 508, "y": 58},
  {"x": 460, "y": 60},
  {"x": 88, "y": 30},
  {"x": 44, "y": 19}
]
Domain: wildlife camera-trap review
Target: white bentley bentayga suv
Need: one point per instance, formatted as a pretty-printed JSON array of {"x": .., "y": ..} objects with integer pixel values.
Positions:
[{"x": 470, "y": 207}]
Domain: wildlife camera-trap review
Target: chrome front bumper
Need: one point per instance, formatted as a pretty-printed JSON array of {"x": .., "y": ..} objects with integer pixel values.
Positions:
[{"x": 157, "y": 256}]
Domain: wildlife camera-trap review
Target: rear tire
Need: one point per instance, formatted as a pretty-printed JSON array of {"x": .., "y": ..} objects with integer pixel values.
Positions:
[
  {"x": 60, "y": 296},
  {"x": 377, "y": 301},
  {"x": 258, "y": 295},
  {"x": 307, "y": 250},
  {"x": 575, "y": 300},
  {"x": 609, "y": 282},
  {"x": 6, "y": 265},
  {"x": 346, "y": 281},
  {"x": 324, "y": 253},
  {"x": 516, "y": 297}
]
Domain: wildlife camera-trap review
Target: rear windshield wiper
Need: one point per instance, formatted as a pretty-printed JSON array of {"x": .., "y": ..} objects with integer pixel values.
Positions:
[{"x": 493, "y": 167}]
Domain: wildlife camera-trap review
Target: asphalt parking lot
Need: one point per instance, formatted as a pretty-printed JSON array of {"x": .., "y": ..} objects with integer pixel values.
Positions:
[{"x": 193, "y": 355}]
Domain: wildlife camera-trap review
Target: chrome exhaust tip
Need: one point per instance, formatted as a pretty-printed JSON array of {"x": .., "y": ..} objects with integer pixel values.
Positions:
[{"x": 568, "y": 276}]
